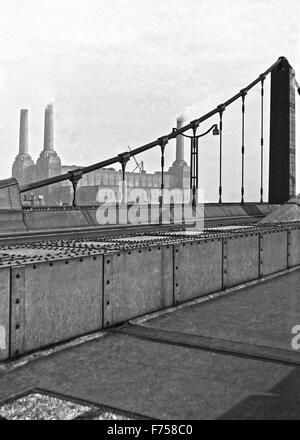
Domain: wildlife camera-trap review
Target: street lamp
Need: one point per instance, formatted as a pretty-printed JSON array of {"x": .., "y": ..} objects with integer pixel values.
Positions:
[{"x": 194, "y": 155}]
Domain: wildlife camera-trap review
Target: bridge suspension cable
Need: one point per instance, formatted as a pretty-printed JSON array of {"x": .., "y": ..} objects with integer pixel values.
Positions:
[
  {"x": 262, "y": 140},
  {"x": 124, "y": 157},
  {"x": 244, "y": 93},
  {"x": 221, "y": 111}
]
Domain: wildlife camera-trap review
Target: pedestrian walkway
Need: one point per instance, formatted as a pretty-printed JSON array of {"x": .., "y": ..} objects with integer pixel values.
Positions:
[{"x": 156, "y": 369}]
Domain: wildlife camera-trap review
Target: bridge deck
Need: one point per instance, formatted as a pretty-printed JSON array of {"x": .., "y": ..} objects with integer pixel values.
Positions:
[{"x": 164, "y": 379}]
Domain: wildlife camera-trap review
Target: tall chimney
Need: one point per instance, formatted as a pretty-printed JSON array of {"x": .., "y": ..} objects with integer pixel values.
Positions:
[
  {"x": 23, "y": 138},
  {"x": 48, "y": 130},
  {"x": 180, "y": 142}
]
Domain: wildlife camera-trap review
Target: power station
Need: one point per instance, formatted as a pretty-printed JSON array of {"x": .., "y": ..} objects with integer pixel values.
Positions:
[{"x": 49, "y": 164}]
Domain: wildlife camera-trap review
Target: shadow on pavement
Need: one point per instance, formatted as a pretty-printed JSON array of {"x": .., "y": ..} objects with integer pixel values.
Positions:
[{"x": 281, "y": 403}]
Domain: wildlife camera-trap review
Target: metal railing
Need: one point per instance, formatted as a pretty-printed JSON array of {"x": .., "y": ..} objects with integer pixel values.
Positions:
[{"x": 75, "y": 175}]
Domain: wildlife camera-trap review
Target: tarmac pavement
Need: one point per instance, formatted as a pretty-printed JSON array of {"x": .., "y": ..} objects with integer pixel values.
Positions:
[{"x": 149, "y": 374}]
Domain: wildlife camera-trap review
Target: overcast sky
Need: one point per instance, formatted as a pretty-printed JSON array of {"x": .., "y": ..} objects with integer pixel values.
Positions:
[{"x": 120, "y": 71}]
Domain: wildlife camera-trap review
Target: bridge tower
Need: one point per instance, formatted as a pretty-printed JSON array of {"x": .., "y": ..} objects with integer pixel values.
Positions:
[{"x": 282, "y": 173}]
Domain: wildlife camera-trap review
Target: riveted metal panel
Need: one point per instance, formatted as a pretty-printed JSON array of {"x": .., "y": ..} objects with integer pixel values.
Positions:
[
  {"x": 59, "y": 300},
  {"x": 17, "y": 323},
  {"x": 108, "y": 267},
  {"x": 140, "y": 281},
  {"x": 200, "y": 268},
  {"x": 224, "y": 263},
  {"x": 274, "y": 247},
  {"x": 176, "y": 260},
  {"x": 294, "y": 247},
  {"x": 4, "y": 312},
  {"x": 242, "y": 259}
]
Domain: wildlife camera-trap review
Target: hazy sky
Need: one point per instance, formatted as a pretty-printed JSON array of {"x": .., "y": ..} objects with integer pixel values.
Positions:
[{"x": 120, "y": 71}]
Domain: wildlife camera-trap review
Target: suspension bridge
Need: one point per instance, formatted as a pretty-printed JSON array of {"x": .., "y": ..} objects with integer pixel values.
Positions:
[{"x": 117, "y": 304}]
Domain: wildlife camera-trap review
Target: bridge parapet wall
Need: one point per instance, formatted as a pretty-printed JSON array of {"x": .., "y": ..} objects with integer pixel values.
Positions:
[
  {"x": 54, "y": 301},
  {"x": 240, "y": 259},
  {"x": 137, "y": 282},
  {"x": 4, "y": 313},
  {"x": 57, "y": 299},
  {"x": 52, "y": 218},
  {"x": 55, "y": 219},
  {"x": 197, "y": 269}
]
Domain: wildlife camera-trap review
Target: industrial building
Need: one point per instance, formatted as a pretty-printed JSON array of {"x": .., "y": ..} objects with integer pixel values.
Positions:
[{"x": 25, "y": 170}]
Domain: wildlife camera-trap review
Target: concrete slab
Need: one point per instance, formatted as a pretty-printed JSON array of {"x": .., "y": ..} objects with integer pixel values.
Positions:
[
  {"x": 160, "y": 380},
  {"x": 55, "y": 219},
  {"x": 213, "y": 212},
  {"x": 263, "y": 315},
  {"x": 251, "y": 209},
  {"x": 237, "y": 211},
  {"x": 11, "y": 221}
]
